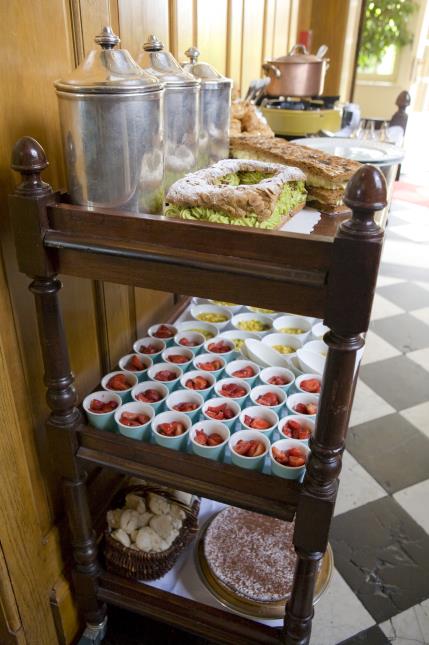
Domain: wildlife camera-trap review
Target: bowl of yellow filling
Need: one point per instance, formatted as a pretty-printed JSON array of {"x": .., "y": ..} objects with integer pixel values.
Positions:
[
  {"x": 252, "y": 322},
  {"x": 212, "y": 314},
  {"x": 298, "y": 326},
  {"x": 208, "y": 330},
  {"x": 261, "y": 310},
  {"x": 284, "y": 344}
]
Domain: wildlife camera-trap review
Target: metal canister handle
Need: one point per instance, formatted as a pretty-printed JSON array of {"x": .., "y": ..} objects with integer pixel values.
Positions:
[
  {"x": 269, "y": 67},
  {"x": 298, "y": 49}
]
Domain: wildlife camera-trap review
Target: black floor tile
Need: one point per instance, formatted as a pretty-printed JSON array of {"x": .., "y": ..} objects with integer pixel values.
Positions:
[
  {"x": 398, "y": 380},
  {"x": 406, "y": 295},
  {"x": 405, "y": 332},
  {"x": 383, "y": 555},
  {"x": 392, "y": 450},
  {"x": 371, "y": 636}
]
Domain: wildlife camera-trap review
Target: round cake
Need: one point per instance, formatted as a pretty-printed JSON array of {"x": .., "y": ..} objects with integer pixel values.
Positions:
[{"x": 251, "y": 554}]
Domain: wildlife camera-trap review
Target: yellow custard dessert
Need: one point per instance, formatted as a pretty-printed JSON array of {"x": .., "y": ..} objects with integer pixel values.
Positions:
[
  {"x": 207, "y": 334},
  {"x": 252, "y": 325},
  {"x": 283, "y": 349},
  {"x": 212, "y": 317},
  {"x": 259, "y": 310},
  {"x": 292, "y": 330}
]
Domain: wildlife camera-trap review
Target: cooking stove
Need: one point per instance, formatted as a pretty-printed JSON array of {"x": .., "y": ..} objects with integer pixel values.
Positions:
[{"x": 293, "y": 117}]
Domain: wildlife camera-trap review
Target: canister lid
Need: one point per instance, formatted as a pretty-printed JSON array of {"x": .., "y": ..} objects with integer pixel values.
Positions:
[
  {"x": 109, "y": 71},
  {"x": 156, "y": 60},
  {"x": 207, "y": 74}
]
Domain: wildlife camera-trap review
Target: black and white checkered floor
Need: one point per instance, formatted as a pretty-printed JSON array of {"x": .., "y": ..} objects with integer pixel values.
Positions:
[{"x": 379, "y": 592}]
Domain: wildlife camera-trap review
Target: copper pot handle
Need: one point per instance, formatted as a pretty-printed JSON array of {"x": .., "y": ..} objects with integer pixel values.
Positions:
[
  {"x": 269, "y": 67},
  {"x": 298, "y": 49}
]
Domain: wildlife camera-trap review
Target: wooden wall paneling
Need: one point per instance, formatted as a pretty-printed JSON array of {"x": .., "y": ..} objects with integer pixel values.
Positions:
[
  {"x": 87, "y": 19},
  {"x": 151, "y": 307},
  {"x": 233, "y": 49},
  {"x": 11, "y": 631},
  {"x": 212, "y": 32},
  {"x": 140, "y": 18},
  {"x": 293, "y": 23},
  {"x": 268, "y": 30},
  {"x": 253, "y": 19},
  {"x": 304, "y": 15},
  {"x": 281, "y": 28},
  {"x": 183, "y": 26}
]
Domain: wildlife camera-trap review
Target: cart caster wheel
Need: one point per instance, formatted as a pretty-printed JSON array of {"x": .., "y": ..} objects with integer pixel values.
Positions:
[{"x": 94, "y": 634}]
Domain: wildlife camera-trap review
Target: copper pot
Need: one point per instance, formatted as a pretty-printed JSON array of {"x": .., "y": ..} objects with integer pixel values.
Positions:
[{"x": 297, "y": 74}]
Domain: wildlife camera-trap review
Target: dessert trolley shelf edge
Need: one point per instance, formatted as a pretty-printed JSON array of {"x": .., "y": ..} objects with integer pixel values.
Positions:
[{"x": 330, "y": 274}]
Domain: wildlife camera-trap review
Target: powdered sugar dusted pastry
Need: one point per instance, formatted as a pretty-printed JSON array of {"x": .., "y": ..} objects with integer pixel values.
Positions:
[
  {"x": 251, "y": 554},
  {"x": 243, "y": 192}
]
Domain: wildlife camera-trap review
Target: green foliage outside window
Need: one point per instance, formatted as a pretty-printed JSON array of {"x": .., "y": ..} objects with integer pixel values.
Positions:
[{"x": 385, "y": 24}]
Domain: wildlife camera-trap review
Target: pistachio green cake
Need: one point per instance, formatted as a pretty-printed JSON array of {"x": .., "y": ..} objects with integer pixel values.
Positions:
[{"x": 240, "y": 192}]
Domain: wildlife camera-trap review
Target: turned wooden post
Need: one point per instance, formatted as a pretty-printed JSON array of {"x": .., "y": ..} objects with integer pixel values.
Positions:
[
  {"x": 30, "y": 220},
  {"x": 351, "y": 286}
]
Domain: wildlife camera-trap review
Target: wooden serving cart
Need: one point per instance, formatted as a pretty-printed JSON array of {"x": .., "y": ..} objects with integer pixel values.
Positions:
[{"x": 330, "y": 273}]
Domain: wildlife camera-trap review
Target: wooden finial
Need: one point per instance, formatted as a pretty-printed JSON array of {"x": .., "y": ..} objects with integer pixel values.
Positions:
[
  {"x": 366, "y": 193},
  {"x": 29, "y": 159},
  {"x": 403, "y": 100}
]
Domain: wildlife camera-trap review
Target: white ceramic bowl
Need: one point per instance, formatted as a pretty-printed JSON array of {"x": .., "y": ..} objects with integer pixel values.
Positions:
[
  {"x": 312, "y": 356},
  {"x": 294, "y": 399},
  {"x": 152, "y": 331},
  {"x": 193, "y": 337},
  {"x": 186, "y": 354},
  {"x": 238, "y": 366},
  {"x": 140, "y": 432},
  {"x": 153, "y": 343},
  {"x": 209, "y": 427},
  {"x": 168, "y": 367},
  {"x": 151, "y": 385},
  {"x": 208, "y": 359},
  {"x": 262, "y": 354},
  {"x": 319, "y": 330},
  {"x": 192, "y": 374},
  {"x": 212, "y": 347},
  {"x": 206, "y": 329},
  {"x": 288, "y": 340},
  {"x": 260, "y": 412},
  {"x": 307, "y": 422},
  {"x": 261, "y": 390},
  {"x": 261, "y": 310},
  {"x": 271, "y": 372},
  {"x": 250, "y": 463},
  {"x": 288, "y": 472},
  {"x": 317, "y": 347},
  {"x": 245, "y": 319},
  {"x": 307, "y": 377},
  {"x": 283, "y": 323},
  {"x": 175, "y": 442},
  {"x": 231, "y": 306},
  {"x": 185, "y": 396},
  {"x": 294, "y": 364},
  {"x": 145, "y": 360},
  {"x": 102, "y": 420},
  {"x": 212, "y": 310},
  {"x": 216, "y": 402},
  {"x": 131, "y": 378}
]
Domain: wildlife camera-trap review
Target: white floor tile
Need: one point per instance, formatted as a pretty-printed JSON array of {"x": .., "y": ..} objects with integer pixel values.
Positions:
[
  {"x": 385, "y": 281},
  {"x": 414, "y": 500},
  {"x": 410, "y": 627},
  {"x": 377, "y": 349},
  {"x": 383, "y": 308},
  {"x": 405, "y": 254},
  {"x": 368, "y": 405},
  {"x": 357, "y": 487},
  {"x": 339, "y": 614},
  {"x": 423, "y": 315},
  {"x": 415, "y": 233},
  {"x": 421, "y": 357},
  {"x": 423, "y": 285},
  {"x": 418, "y": 415}
]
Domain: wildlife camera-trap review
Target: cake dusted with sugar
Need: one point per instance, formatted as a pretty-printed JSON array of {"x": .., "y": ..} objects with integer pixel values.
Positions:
[{"x": 251, "y": 554}]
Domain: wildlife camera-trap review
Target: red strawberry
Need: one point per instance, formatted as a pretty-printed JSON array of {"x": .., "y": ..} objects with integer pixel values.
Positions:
[
  {"x": 301, "y": 408},
  {"x": 214, "y": 439},
  {"x": 197, "y": 383},
  {"x": 173, "y": 429},
  {"x": 246, "y": 372},
  {"x": 232, "y": 390},
  {"x": 242, "y": 447},
  {"x": 102, "y": 407},
  {"x": 296, "y": 452},
  {"x": 163, "y": 332},
  {"x": 311, "y": 385},
  {"x": 135, "y": 364},
  {"x": 118, "y": 382},
  {"x": 186, "y": 406},
  {"x": 212, "y": 366},
  {"x": 270, "y": 399},
  {"x": 295, "y": 462},
  {"x": 148, "y": 349},
  {"x": 280, "y": 456},
  {"x": 220, "y": 412},
  {"x": 257, "y": 423},
  {"x": 133, "y": 419},
  {"x": 149, "y": 396},
  {"x": 278, "y": 380},
  {"x": 201, "y": 437},
  {"x": 311, "y": 408},
  {"x": 219, "y": 347},
  {"x": 187, "y": 342},
  {"x": 177, "y": 358},
  {"x": 165, "y": 375}
]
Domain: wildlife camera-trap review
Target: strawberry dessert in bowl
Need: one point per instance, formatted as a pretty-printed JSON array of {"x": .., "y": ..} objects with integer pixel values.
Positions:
[
  {"x": 279, "y": 376},
  {"x": 209, "y": 439},
  {"x": 152, "y": 347},
  {"x": 186, "y": 401},
  {"x": 100, "y": 409},
  {"x": 171, "y": 429},
  {"x": 120, "y": 382},
  {"x": 181, "y": 356},
  {"x": 133, "y": 420},
  {"x": 309, "y": 383},
  {"x": 192, "y": 340},
  {"x": 244, "y": 369},
  {"x": 299, "y": 427},
  {"x": 288, "y": 458},
  {"x": 248, "y": 449},
  {"x": 213, "y": 363},
  {"x": 137, "y": 363},
  {"x": 303, "y": 403},
  {"x": 164, "y": 332},
  {"x": 220, "y": 346},
  {"x": 270, "y": 396},
  {"x": 151, "y": 392},
  {"x": 221, "y": 409},
  {"x": 258, "y": 417},
  {"x": 200, "y": 381},
  {"x": 167, "y": 373},
  {"x": 233, "y": 388}
]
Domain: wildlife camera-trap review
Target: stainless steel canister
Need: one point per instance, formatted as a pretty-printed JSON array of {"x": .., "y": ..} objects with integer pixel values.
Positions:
[
  {"x": 215, "y": 106},
  {"x": 181, "y": 109},
  {"x": 111, "y": 115}
]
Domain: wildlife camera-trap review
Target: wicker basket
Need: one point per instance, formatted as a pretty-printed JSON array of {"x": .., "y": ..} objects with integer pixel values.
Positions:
[{"x": 139, "y": 565}]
